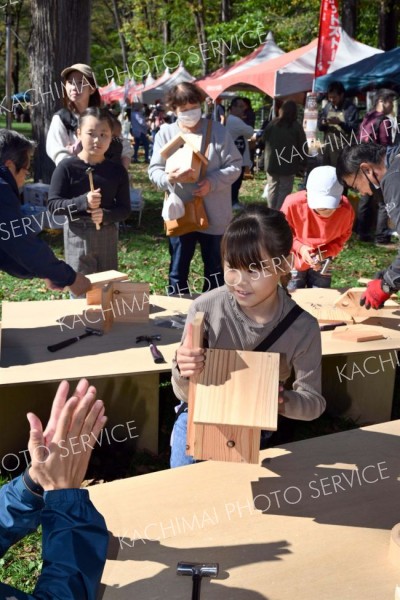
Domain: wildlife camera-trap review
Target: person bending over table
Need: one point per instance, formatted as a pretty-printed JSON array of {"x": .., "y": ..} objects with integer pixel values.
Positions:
[
  {"x": 74, "y": 533},
  {"x": 22, "y": 253},
  {"x": 370, "y": 169}
]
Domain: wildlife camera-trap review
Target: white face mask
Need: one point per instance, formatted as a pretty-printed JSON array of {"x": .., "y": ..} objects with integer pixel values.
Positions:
[{"x": 190, "y": 118}]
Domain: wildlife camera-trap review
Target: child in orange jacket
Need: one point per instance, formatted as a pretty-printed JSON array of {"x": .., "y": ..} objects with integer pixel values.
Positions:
[{"x": 321, "y": 219}]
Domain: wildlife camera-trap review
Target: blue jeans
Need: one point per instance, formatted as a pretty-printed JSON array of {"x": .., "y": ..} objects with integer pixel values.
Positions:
[
  {"x": 308, "y": 278},
  {"x": 178, "y": 443},
  {"x": 181, "y": 249}
]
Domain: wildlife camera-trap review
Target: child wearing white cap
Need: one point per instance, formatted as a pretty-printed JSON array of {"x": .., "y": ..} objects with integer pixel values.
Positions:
[{"x": 321, "y": 219}]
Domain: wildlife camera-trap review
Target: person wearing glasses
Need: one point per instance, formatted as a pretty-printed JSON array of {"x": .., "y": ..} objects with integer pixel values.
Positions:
[
  {"x": 368, "y": 168},
  {"x": 22, "y": 253}
]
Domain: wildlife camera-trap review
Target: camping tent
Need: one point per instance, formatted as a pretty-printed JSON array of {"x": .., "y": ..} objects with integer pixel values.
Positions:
[
  {"x": 150, "y": 93},
  {"x": 372, "y": 72},
  {"x": 289, "y": 73}
]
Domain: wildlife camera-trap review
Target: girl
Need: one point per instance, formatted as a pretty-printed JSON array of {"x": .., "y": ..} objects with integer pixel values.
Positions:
[
  {"x": 241, "y": 314},
  {"x": 81, "y": 92},
  {"x": 91, "y": 250}
]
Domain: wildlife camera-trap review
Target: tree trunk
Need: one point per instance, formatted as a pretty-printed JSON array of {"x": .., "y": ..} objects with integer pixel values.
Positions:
[
  {"x": 74, "y": 32},
  {"x": 60, "y": 37},
  {"x": 225, "y": 17},
  {"x": 43, "y": 73},
  {"x": 199, "y": 21},
  {"x": 388, "y": 24},
  {"x": 349, "y": 17},
  {"x": 122, "y": 41}
]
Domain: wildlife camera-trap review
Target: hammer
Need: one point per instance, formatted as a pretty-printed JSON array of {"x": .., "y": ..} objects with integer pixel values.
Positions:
[
  {"x": 156, "y": 354},
  {"x": 89, "y": 172},
  {"x": 89, "y": 331},
  {"x": 197, "y": 571}
]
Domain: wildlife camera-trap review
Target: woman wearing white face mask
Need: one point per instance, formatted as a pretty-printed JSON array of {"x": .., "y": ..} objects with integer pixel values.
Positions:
[{"x": 224, "y": 167}]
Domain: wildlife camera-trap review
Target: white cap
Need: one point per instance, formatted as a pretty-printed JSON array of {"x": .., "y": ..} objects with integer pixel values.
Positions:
[{"x": 323, "y": 188}]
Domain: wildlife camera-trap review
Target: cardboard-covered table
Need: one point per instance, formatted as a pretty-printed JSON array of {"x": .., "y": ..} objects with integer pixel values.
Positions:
[{"x": 312, "y": 521}]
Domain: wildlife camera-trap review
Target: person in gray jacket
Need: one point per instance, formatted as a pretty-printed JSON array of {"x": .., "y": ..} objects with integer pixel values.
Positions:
[{"x": 224, "y": 167}]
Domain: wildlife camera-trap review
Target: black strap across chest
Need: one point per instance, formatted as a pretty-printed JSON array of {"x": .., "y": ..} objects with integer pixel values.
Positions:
[{"x": 279, "y": 329}]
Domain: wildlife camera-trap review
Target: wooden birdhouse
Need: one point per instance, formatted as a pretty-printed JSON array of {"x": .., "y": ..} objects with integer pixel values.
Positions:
[
  {"x": 230, "y": 402},
  {"x": 181, "y": 153}
]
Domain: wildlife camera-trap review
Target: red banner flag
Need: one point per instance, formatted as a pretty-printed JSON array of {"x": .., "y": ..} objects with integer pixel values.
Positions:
[{"x": 329, "y": 36}]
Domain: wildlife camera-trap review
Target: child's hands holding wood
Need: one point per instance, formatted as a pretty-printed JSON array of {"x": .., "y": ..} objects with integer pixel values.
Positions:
[
  {"x": 190, "y": 360},
  {"x": 97, "y": 215}
]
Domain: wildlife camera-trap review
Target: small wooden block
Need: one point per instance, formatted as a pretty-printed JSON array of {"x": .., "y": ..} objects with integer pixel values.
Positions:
[
  {"x": 350, "y": 303},
  {"x": 172, "y": 146},
  {"x": 330, "y": 315},
  {"x": 238, "y": 388},
  {"x": 98, "y": 280},
  {"x": 366, "y": 335},
  {"x": 227, "y": 443},
  {"x": 106, "y": 300}
]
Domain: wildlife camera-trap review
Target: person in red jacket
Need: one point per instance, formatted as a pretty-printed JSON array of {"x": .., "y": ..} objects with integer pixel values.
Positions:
[{"x": 321, "y": 219}]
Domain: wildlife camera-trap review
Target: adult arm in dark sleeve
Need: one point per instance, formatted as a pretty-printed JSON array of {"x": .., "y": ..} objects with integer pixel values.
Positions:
[
  {"x": 23, "y": 254},
  {"x": 391, "y": 195},
  {"x": 122, "y": 208},
  {"x": 69, "y": 521}
]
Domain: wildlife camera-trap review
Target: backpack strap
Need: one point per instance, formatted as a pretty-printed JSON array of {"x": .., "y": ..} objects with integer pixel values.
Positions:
[
  {"x": 68, "y": 119},
  {"x": 286, "y": 322}
]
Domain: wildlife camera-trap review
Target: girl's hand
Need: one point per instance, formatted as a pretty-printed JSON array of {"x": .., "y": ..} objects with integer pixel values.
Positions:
[
  {"x": 203, "y": 188},
  {"x": 94, "y": 199},
  {"x": 307, "y": 253},
  {"x": 281, "y": 400},
  {"x": 97, "y": 215},
  {"x": 190, "y": 360}
]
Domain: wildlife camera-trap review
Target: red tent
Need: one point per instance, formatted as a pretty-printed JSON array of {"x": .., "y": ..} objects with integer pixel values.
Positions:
[{"x": 287, "y": 74}]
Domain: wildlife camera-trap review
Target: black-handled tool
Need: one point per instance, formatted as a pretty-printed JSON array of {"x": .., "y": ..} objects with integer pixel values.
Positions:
[
  {"x": 197, "y": 571},
  {"x": 88, "y": 331},
  {"x": 156, "y": 354}
]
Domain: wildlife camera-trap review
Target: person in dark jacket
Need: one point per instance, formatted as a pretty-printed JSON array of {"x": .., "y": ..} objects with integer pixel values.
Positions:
[
  {"x": 367, "y": 168},
  {"x": 74, "y": 533},
  {"x": 339, "y": 121},
  {"x": 22, "y": 253}
]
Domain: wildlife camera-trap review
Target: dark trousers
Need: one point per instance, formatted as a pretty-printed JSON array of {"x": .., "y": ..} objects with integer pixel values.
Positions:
[
  {"x": 236, "y": 187},
  {"x": 372, "y": 214},
  {"x": 181, "y": 249}
]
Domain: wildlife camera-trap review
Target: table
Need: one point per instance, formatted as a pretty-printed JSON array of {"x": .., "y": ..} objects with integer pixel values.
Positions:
[
  {"x": 128, "y": 379},
  {"x": 125, "y": 375},
  {"x": 358, "y": 378},
  {"x": 312, "y": 521}
]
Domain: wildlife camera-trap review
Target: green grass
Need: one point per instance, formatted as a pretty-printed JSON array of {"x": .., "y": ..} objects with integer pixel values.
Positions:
[{"x": 24, "y": 128}]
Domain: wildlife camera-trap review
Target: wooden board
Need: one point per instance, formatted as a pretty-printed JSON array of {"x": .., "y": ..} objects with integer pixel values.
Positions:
[
  {"x": 125, "y": 302},
  {"x": 197, "y": 342},
  {"x": 238, "y": 388},
  {"x": 358, "y": 335},
  {"x": 98, "y": 280},
  {"x": 330, "y": 315},
  {"x": 227, "y": 443},
  {"x": 350, "y": 303}
]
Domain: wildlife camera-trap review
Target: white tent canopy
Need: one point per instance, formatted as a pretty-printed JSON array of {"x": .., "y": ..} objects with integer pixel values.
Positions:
[
  {"x": 286, "y": 74},
  {"x": 159, "y": 88}
]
